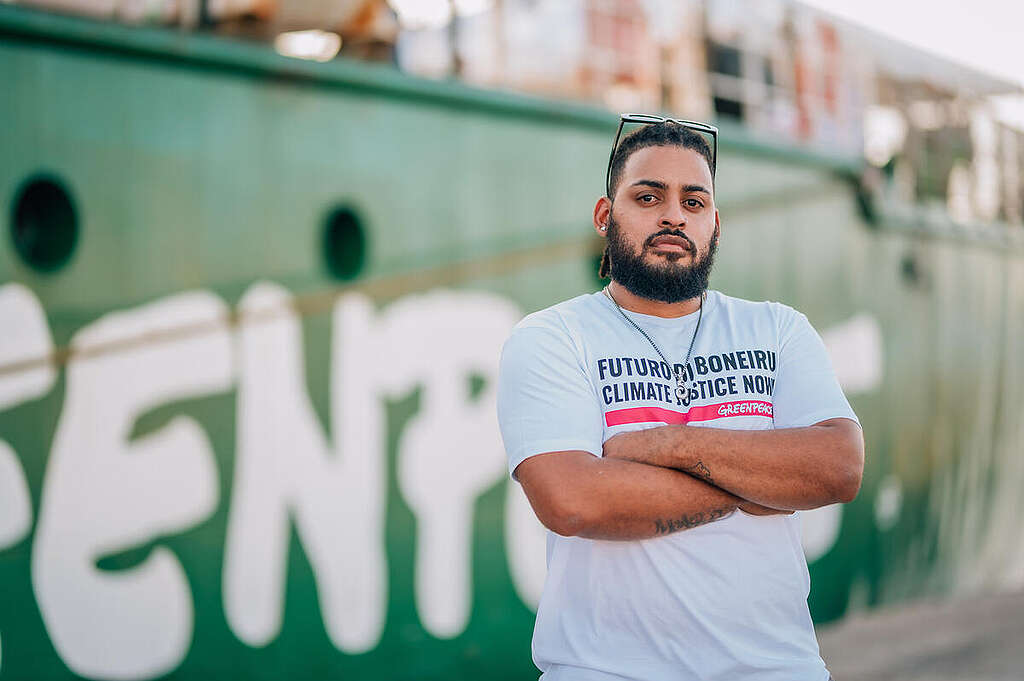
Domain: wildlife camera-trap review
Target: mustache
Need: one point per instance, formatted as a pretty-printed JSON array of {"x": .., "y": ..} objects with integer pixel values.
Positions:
[{"x": 670, "y": 232}]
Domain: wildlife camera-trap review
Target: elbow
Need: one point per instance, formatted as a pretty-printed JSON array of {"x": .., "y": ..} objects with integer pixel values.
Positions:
[
  {"x": 558, "y": 509},
  {"x": 846, "y": 470},
  {"x": 560, "y": 492},
  {"x": 567, "y": 526},
  {"x": 850, "y": 475},
  {"x": 848, "y": 486},
  {"x": 564, "y": 518}
]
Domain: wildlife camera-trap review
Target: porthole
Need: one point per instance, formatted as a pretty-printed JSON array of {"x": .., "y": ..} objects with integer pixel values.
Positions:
[
  {"x": 344, "y": 244},
  {"x": 44, "y": 225}
]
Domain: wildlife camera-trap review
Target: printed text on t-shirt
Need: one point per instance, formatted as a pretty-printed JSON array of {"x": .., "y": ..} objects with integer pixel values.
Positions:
[{"x": 633, "y": 379}]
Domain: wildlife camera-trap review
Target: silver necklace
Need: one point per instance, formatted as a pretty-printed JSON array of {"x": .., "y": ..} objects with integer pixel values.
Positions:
[{"x": 680, "y": 373}]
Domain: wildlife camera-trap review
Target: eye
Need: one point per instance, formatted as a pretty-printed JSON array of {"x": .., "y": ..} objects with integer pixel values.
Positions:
[
  {"x": 694, "y": 203},
  {"x": 647, "y": 198}
]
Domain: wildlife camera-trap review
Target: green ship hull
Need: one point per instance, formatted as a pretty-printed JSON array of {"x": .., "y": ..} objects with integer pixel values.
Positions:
[{"x": 247, "y": 403}]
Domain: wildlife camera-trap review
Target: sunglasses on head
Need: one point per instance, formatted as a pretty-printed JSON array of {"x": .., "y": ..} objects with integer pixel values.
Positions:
[{"x": 646, "y": 119}]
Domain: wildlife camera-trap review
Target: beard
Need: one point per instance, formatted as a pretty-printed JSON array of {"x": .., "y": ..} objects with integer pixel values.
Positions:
[{"x": 669, "y": 281}]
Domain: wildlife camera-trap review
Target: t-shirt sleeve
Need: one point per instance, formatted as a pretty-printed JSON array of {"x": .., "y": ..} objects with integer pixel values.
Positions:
[
  {"x": 806, "y": 388},
  {"x": 546, "y": 402}
]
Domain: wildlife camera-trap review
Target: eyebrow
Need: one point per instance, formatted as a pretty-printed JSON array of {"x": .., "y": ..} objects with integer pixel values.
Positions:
[{"x": 657, "y": 184}]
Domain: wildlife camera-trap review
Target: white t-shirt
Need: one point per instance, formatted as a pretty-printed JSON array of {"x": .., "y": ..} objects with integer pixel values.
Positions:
[{"x": 722, "y": 601}]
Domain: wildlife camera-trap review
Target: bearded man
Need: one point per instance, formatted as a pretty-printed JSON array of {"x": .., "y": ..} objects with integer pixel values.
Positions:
[{"x": 665, "y": 434}]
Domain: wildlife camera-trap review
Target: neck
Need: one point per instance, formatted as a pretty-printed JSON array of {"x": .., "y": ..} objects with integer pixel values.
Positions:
[{"x": 634, "y": 303}]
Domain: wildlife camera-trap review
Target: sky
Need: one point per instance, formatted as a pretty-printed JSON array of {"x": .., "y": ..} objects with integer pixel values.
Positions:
[{"x": 985, "y": 34}]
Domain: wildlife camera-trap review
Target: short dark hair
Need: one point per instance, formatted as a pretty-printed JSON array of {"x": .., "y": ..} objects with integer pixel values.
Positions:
[{"x": 665, "y": 134}]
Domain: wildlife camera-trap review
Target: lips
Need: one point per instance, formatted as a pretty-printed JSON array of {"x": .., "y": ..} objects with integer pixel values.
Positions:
[{"x": 671, "y": 242}]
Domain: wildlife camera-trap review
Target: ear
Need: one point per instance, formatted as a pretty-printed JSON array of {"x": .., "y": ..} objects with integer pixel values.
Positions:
[
  {"x": 602, "y": 214},
  {"x": 718, "y": 227}
]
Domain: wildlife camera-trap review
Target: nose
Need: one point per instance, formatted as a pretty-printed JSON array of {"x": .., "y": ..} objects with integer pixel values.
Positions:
[{"x": 674, "y": 216}]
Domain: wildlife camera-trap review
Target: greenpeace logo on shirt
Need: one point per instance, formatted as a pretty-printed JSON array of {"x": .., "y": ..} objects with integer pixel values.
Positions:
[{"x": 744, "y": 408}]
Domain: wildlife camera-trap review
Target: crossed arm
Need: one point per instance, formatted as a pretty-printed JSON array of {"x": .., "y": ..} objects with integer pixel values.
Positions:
[{"x": 671, "y": 478}]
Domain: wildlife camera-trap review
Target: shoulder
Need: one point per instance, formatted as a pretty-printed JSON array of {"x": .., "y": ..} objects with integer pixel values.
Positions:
[
  {"x": 557, "y": 327},
  {"x": 566, "y": 319},
  {"x": 564, "y": 315},
  {"x": 782, "y": 315}
]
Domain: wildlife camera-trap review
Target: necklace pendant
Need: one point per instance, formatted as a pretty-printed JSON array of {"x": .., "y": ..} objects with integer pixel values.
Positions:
[{"x": 680, "y": 385}]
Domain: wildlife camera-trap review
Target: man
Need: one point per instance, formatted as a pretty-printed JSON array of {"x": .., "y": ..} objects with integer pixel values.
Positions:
[{"x": 664, "y": 434}]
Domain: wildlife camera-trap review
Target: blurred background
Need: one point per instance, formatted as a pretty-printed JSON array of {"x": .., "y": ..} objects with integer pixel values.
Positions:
[{"x": 259, "y": 258}]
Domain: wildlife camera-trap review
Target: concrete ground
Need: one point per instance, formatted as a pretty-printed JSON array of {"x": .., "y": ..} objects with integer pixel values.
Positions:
[{"x": 977, "y": 639}]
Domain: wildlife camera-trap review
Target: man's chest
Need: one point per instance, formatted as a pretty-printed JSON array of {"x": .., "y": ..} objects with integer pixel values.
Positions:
[{"x": 728, "y": 381}]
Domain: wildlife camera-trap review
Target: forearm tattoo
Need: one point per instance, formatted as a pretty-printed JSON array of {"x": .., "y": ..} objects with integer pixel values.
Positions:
[
  {"x": 686, "y": 522},
  {"x": 701, "y": 471}
]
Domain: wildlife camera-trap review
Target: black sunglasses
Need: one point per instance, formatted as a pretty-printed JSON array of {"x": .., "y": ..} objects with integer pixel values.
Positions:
[{"x": 696, "y": 126}]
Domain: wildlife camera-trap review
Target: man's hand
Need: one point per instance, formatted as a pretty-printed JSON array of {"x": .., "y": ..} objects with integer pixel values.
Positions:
[
  {"x": 620, "y": 446},
  {"x": 654, "y": 447},
  {"x": 757, "y": 509}
]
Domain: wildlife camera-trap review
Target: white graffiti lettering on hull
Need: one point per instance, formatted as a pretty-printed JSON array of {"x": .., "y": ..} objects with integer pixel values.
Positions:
[{"x": 103, "y": 493}]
